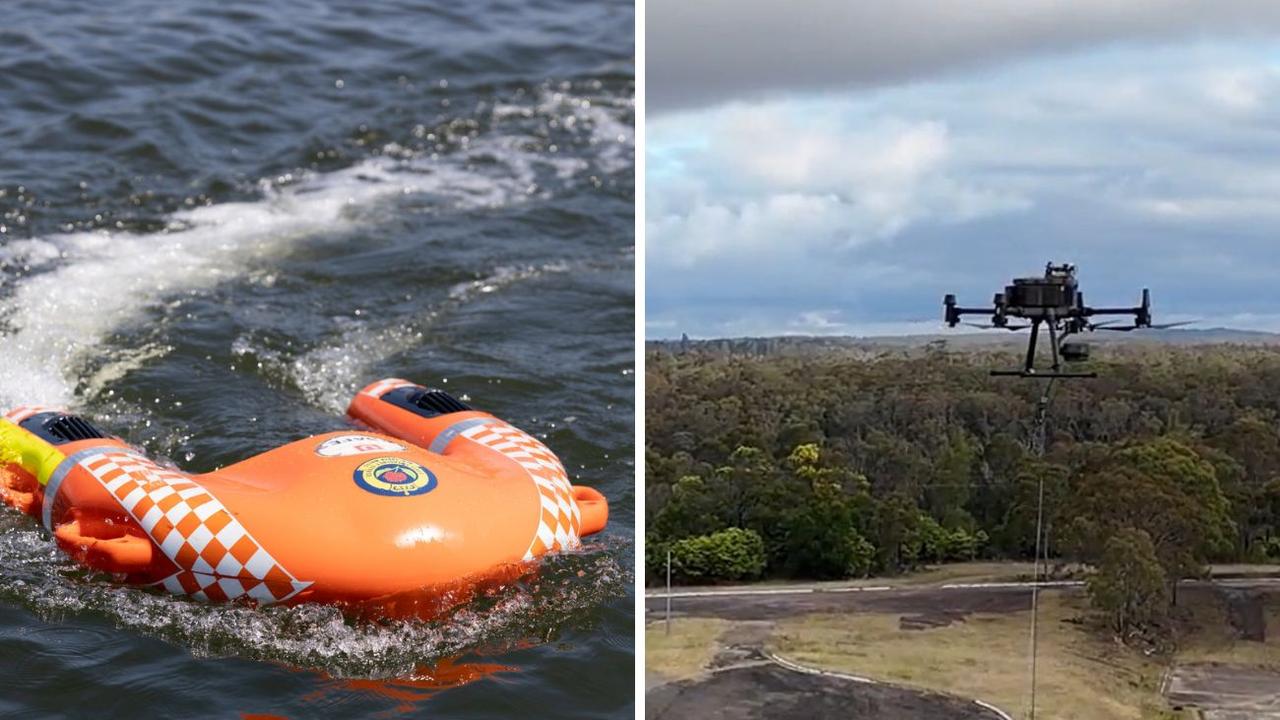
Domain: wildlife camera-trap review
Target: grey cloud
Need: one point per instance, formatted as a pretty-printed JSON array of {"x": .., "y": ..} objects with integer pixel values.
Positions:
[
  {"x": 878, "y": 287},
  {"x": 703, "y": 52},
  {"x": 1137, "y": 166}
]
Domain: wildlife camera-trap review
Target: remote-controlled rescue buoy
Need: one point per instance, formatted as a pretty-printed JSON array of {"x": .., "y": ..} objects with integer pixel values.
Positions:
[{"x": 427, "y": 502}]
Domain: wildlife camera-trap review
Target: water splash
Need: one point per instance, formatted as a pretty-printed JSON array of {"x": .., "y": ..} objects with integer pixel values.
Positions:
[
  {"x": 328, "y": 375},
  {"x": 36, "y": 575}
]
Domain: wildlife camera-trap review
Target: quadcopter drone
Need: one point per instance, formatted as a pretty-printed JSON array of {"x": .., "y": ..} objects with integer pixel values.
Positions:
[{"x": 1056, "y": 302}]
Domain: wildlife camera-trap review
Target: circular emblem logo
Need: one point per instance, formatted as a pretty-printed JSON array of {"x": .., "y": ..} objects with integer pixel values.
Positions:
[
  {"x": 394, "y": 476},
  {"x": 355, "y": 445}
]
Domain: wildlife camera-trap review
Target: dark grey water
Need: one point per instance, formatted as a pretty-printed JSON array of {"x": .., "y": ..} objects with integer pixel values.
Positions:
[{"x": 217, "y": 220}]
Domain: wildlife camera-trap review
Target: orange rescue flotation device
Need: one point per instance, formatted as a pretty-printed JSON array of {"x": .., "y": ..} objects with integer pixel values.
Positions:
[{"x": 427, "y": 501}]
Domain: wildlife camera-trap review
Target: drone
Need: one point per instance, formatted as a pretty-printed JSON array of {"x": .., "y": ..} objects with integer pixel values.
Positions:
[{"x": 1054, "y": 301}]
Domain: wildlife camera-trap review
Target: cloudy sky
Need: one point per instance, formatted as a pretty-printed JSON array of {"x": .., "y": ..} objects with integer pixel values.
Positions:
[{"x": 825, "y": 167}]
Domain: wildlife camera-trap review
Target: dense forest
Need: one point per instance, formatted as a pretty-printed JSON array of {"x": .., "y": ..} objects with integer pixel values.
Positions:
[{"x": 834, "y": 465}]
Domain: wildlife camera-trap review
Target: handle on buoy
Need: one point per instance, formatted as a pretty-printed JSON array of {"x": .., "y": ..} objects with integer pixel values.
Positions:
[
  {"x": 123, "y": 553},
  {"x": 594, "y": 509}
]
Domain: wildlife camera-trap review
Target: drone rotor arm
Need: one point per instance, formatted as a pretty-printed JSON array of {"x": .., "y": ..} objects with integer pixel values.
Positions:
[
  {"x": 990, "y": 326},
  {"x": 1089, "y": 311},
  {"x": 955, "y": 312}
]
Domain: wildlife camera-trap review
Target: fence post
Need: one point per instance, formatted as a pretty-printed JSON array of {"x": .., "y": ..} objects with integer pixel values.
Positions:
[{"x": 668, "y": 591}]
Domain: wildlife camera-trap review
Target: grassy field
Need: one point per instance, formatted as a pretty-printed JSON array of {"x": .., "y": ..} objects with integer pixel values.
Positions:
[
  {"x": 1081, "y": 674},
  {"x": 683, "y": 653}
]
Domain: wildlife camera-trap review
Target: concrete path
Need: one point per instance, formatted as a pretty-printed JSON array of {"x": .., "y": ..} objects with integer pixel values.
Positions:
[{"x": 1225, "y": 692}]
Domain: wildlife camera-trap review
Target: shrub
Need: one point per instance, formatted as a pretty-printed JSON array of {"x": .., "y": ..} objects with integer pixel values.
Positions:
[{"x": 731, "y": 554}]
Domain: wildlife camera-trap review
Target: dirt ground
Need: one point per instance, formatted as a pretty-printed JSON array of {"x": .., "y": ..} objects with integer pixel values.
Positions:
[{"x": 760, "y": 691}]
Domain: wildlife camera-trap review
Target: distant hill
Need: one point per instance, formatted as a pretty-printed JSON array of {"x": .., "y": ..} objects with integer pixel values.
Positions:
[{"x": 960, "y": 340}]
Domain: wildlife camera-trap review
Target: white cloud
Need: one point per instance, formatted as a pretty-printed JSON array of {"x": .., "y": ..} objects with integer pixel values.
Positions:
[{"x": 773, "y": 181}]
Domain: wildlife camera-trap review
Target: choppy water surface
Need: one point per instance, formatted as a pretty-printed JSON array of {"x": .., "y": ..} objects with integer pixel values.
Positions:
[{"x": 218, "y": 220}]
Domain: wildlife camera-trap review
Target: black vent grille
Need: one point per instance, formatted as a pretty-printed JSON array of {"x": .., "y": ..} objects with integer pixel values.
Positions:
[
  {"x": 58, "y": 428},
  {"x": 440, "y": 402},
  {"x": 424, "y": 402}
]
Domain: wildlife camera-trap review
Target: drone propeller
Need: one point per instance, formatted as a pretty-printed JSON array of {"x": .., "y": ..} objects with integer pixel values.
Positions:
[
  {"x": 1131, "y": 328},
  {"x": 997, "y": 327}
]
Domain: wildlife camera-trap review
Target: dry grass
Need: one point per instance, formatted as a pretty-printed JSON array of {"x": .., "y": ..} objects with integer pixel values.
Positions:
[
  {"x": 686, "y": 651},
  {"x": 1245, "y": 570},
  {"x": 1081, "y": 674},
  {"x": 966, "y": 572}
]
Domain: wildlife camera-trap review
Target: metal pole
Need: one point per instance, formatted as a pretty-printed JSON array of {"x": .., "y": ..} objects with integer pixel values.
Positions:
[{"x": 668, "y": 591}]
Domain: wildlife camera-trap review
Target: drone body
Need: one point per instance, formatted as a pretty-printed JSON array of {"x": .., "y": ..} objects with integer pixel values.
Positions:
[{"x": 1054, "y": 301}]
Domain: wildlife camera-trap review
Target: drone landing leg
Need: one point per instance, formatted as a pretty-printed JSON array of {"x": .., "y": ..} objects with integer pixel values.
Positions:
[
  {"x": 1052, "y": 322},
  {"x": 1030, "y": 365}
]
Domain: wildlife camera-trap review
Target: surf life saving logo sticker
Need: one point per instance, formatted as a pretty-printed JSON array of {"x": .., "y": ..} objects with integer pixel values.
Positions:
[
  {"x": 394, "y": 476},
  {"x": 355, "y": 445}
]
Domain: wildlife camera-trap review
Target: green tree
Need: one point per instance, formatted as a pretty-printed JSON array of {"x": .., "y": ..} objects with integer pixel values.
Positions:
[
  {"x": 821, "y": 537},
  {"x": 948, "y": 490},
  {"x": 747, "y": 491},
  {"x": 1170, "y": 461},
  {"x": 897, "y": 533},
  {"x": 1130, "y": 584},
  {"x": 690, "y": 511},
  {"x": 942, "y": 448},
  {"x": 1164, "y": 489}
]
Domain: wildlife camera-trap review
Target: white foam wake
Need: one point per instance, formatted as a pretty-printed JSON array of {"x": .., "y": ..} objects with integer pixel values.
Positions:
[
  {"x": 67, "y": 293},
  {"x": 78, "y": 287}
]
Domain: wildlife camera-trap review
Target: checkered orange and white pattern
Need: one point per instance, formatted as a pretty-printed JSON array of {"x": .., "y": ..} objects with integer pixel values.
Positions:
[
  {"x": 217, "y": 558},
  {"x": 561, "y": 519}
]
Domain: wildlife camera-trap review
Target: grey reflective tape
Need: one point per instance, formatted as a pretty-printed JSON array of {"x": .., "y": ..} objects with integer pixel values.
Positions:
[
  {"x": 60, "y": 472},
  {"x": 443, "y": 439}
]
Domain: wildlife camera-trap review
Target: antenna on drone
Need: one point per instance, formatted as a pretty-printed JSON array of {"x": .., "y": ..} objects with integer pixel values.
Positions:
[{"x": 1054, "y": 302}]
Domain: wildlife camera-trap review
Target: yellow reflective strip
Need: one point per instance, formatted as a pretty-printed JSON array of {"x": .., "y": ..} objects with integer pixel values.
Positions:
[{"x": 28, "y": 451}]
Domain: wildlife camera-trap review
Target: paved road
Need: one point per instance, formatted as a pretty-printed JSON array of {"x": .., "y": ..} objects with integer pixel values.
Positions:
[
  {"x": 768, "y": 690},
  {"x": 777, "y": 601},
  {"x": 1226, "y": 692}
]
